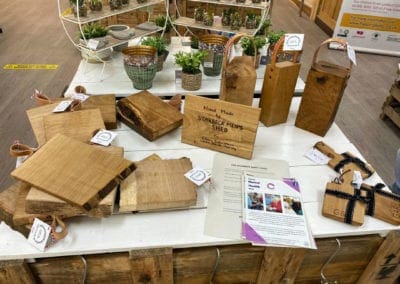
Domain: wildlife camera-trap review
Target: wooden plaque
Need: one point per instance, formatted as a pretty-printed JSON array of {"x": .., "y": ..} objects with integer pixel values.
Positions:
[
  {"x": 221, "y": 126},
  {"x": 74, "y": 171},
  {"x": 106, "y": 105},
  {"x": 148, "y": 115}
]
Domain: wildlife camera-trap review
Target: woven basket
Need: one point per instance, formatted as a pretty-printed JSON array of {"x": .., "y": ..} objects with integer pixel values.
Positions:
[
  {"x": 213, "y": 42},
  {"x": 191, "y": 82},
  {"x": 142, "y": 76},
  {"x": 161, "y": 59}
]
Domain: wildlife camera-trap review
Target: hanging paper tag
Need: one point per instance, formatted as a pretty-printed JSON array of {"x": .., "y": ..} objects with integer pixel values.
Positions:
[
  {"x": 351, "y": 53},
  {"x": 20, "y": 160},
  {"x": 93, "y": 44},
  {"x": 293, "y": 42},
  {"x": 357, "y": 179},
  {"x": 80, "y": 96},
  {"x": 317, "y": 157},
  {"x": 198, "y": 176},
  {"x": 40, "y": 234},
  {"x": 209, "y": 60},
  {"x": 62, "y": 106},
  {"x": 103, "y": 137}
]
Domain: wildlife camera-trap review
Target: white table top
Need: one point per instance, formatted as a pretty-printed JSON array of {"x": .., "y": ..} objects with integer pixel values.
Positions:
[{"x": 184, "y": 228}]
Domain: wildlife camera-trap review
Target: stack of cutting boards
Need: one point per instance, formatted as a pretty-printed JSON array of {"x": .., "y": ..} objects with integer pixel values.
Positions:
[{"x": 68, "y": 176}]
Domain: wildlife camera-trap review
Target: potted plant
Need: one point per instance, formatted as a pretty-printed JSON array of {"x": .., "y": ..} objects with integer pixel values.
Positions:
[
  {"x": 125, "y": 2},
  {"x": 141, "y": 1},
  {"x": 97, "y": 32},
  {"x": 264, "y": 28},
  {"x": 115, "y": 4},
  {"x": 251, "y": 47},
  {"x": 199, "y": 15},
  {"x": 191, "y": 73},
  {"x": 163, "y": 22},
  {"x": 236, "y": 21},
  {"x": 194, "y": 44},
  {"x": 208, "y": 18},
  {"x": 95, "y": 5},
  {"x": 226, "y": 17},
  {"x": 161, "y": 45},
  {"x": 78, "y": 5},
  {"x": 251, "y": 21},
  {"x": 273, "y": 38}
]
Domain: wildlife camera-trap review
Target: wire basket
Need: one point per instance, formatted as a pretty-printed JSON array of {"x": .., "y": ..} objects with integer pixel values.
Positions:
[
  {"x": 140, "y": 64},
  {"x": 214, "y": 45}
]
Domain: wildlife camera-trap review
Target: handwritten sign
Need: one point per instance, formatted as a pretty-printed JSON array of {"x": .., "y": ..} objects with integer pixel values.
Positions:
[{"x": 221, "y": 126}]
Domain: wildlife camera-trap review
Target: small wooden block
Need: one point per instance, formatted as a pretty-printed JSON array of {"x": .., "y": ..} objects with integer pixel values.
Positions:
[
  {"x": 74, "y": 171},
  {"x": 76, "y": 124},
  {"x": 152, "y": 265},
  {"x": 106, "y": 105},
  {"x": 158, "y": 184},
  {"x": 221, "y": 126},
  {"x": 148, "y": 115}
]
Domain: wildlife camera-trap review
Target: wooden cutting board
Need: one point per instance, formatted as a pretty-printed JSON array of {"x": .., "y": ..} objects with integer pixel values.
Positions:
[
  {"x": 35, "y": 116},
  {"x": 158, "y": 184},
  {"x": 76, "y": 124},
  {"x": 74, "y": 171},
  {"x": 106, "y": 105},
  {"x": 148, "y": 115}
]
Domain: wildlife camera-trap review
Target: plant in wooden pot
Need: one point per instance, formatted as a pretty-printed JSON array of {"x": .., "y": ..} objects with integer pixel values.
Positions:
[
  {"x": 199, "y": 15},
  {"x": 115, "y": 4},
  {"x": 160, "y": 44},
  {"x": 95, "y": 5},
  {"x": 236, "y": 21},
  {"x": 140, "y": 64},
  {"x": 78, "y": 6},
  {"x": 208, "y": 18},
  {"x": 251, "y": 21},
  {"x": 214, "y": 45},
  {"x": 191, "y": 73},
  {"x": 251, "y": 47},
  {"x": 96, "y": 33}
]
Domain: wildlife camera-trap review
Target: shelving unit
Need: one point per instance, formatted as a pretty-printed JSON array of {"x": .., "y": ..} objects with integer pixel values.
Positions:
[{"x": 190, "y": 22}]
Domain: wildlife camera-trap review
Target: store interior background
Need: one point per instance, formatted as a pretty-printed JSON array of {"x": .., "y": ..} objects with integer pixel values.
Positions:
[{"x": 33, "y": 34}]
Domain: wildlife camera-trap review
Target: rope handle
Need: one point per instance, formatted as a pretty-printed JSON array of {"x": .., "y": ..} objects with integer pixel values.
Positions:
[
  {"x": 57, "y": 222},
  {"x": 40, "y": 98},
  {"x": 331, "y": 40},
  {"x": 278, "y": 48},
  {"x": 227, "y": 50},
  {"x": 17, "y": 149}
]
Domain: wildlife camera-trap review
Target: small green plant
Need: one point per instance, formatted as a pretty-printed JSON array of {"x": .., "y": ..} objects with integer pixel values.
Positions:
[
  {"x": 264, "y": 28},
  {"x": 158, "y": 42},
  {"x": 160, "y": 21},
  {"x": 190, "y": 61},
  {"x": 199, "y": 14},
  {"x": 251, "y": 44},
  {"x": 274, "y": 36},
  {"x": 236, "y": 21},
  {"x": 77, "y": 2},
  {"x": 93, "y": 30},
  {"x": 194, "y": 42}
]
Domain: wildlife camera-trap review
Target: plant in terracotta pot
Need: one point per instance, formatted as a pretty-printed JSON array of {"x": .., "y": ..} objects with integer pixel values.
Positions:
[
  {"x": 199, "y": 15},
  {"x": 161, "y": 45},
  {"x": 208, "y": 18},
  {"x": 191, "y": 73},
  {"x": 236, "y": 21},
  {"x": 97, "y": 32},
  {"x": 115, "y": 4},
  {"x": 251, "y": 46},
  {"x": 78, "y": 6},
  {"x": 251, "y": 21},
  {"x": 95, "y": 5}
]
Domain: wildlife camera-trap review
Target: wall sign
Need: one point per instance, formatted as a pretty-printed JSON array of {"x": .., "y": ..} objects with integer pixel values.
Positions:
[{"x": 221, "y": 126}]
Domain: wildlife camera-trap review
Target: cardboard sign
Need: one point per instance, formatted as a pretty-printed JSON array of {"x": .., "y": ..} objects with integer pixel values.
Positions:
[{"x": 221, "y": 126}]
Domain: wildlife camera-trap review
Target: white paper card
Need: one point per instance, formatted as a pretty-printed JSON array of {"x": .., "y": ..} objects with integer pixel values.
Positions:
[
  {"x": 208, "y": 64},
  {"x": 93, "y": 44},
  {"x": 357, "y": 179},
  {"x": 39, "y": 235},
  {"x": 317, "y": 157},
  {"x": 80, "y": 96},
  {"x": 293, "y": 42},
  {"x": 103, "y": 137},
  {"x": 62, "y": 106},
  {"x": 351, "y": 53},
  {"x": 198, "y": 176}
]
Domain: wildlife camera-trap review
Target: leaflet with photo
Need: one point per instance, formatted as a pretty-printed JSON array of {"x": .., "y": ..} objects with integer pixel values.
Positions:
[{"x": 273, "y": 213}]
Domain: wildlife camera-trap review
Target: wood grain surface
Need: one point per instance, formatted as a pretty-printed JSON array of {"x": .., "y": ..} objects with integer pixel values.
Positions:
[{"x": 106, "y": 105}]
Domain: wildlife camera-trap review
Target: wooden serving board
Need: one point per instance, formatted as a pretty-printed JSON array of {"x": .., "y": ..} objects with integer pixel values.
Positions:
[
  {"x": 106, "y": 105},
  {"x": 80, "y": 125},
  {"x": 35, "y": 116},
  {"x": 158, "y": 184},
  {"x": 148, "y": 115},
  {"x": 74, "y": 171},
  {"x": 221, "y": 126}
]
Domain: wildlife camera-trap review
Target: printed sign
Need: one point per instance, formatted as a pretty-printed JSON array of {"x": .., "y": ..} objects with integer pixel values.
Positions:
[
  {"x": 221, "y": 126},
  {"x": 293, "y": 42}
]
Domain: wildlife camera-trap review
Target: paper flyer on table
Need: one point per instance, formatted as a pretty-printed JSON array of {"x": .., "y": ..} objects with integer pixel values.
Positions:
[
  {"x": 273, "y": 213},
  {"x": 224, "y": 209}
]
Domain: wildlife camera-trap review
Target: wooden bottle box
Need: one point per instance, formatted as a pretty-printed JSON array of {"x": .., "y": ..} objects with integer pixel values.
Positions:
[{"x": 323, "y": 92}]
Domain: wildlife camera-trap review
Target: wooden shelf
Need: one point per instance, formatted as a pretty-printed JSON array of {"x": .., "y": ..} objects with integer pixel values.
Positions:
[
  {"x": 106, "y": 12},
  {"x": 247, "y": 4},
  {"x": 189, "y": 22}
]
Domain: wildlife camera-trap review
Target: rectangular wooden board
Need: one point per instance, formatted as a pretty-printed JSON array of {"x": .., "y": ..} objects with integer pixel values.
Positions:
[
  {"x": 106, "y": 105},
  {"x": 148, "y": 115},
  {"x": 74, "y": 171},
  {"x": 158, "y": 184},
  {"x": 35, "y": 116},
  {"x": 221, "y": 126},
  {"x": 80, "y": 125}
]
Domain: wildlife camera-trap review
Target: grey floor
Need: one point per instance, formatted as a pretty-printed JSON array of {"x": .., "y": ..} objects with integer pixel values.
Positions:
[{"x": 32, "y": 33}]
